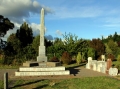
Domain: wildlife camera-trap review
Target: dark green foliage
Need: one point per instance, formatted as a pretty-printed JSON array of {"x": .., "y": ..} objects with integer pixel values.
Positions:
[
  {"x": 36, "y": 43},
  {"x": 25, "y": 34},
  {"x": 118, "y": 58},
  {"x": 57, "y": 48},
  {"x": 5, "y": 25},
  {"x": 79, "y": 58},
  {"x": 91, "y": 53},
  {"x": 66, "y": 58},
  {"x": 14, "y": 43}
]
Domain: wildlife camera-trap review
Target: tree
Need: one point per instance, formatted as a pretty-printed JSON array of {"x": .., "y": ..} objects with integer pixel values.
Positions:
[
  {"x": 69, "y": 42},
  {"x": 14, "y": 42},
  {"x": 36, "y": 43},
  {"x": 79, "y": 58},
  {"x": 99, "y": 47},
  {"x": 5, "y": 25},
  {"x": 25, "y": 34},
  {"x": 118, "y": 58},
  {"x": 91, "y": 53},
  {"x": 66, "y": 58},
  {"x": 113, "y": 48}
]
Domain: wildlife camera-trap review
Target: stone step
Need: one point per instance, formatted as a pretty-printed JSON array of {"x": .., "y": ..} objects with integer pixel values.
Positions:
[
  {"x": 42, "y": 68},
  {"x": 30, "y": 64},
  {"x": 42, "y": 73}
]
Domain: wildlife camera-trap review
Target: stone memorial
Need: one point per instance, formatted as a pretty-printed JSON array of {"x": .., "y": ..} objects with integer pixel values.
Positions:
[
  {"x": 42, "y": 52},
  {"x": 41, "y": 67}
]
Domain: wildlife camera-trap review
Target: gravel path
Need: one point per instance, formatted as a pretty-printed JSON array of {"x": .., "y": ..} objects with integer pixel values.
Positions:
[{"x": 76, "y": 72}]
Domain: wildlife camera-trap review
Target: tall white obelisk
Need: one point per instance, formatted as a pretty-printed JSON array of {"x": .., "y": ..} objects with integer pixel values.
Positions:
[{"x": 42, "y": 53}]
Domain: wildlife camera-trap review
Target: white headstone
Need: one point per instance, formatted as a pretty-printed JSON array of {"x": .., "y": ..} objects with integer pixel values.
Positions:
[
  {"x": 89, "y": 62},
  {"x": 113, "y": 71}
]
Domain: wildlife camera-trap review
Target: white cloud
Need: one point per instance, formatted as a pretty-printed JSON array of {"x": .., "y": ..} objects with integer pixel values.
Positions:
[
  {"x": 35, "y": 28},
  {"x": 78, "y": 12},
  {"x": 19, "y": 11},
  {"x": 58, "y": 32},
  {"x": 16, "y": 10}
]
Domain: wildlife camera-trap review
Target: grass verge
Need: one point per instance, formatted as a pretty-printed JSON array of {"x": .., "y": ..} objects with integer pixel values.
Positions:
[{"x": 76, "y": 83}]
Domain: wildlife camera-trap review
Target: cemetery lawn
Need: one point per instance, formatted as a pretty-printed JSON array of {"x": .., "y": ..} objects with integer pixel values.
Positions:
[
  {"x": 9, "y": 67},
  {"x": 75, "y": 83}
]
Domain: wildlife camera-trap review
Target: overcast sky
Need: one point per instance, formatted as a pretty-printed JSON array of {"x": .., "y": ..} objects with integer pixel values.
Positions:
[{"x": 85, "y": 18}]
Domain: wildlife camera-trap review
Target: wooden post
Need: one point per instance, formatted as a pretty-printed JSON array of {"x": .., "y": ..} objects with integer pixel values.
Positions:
[{"x": 5, "y": 80}]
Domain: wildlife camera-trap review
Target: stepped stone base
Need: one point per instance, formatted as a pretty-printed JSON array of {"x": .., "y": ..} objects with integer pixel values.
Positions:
[
  {"x": 42, "y": 73},
  {"x": 31, "y": 68},
  {"x": 41, "y": 59},
  {"x": 41, "y": 69},
  {"x": 32, "y": 63},
  {"x": 53, "y": 64}
]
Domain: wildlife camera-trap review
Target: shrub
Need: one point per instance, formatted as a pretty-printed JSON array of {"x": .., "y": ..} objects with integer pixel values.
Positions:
[
  {"x": 79, "y": 58},
  {"x": 110, "y": 56},
  {"x": 91, "y": 53},
  {"x": 66, "y": 59},
  {"x": 118, "y": 58},
  {"x": 54, "y": 59}
]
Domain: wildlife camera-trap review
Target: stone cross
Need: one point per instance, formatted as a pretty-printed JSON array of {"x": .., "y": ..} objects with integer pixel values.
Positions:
[{"x": 42, "y": 53}]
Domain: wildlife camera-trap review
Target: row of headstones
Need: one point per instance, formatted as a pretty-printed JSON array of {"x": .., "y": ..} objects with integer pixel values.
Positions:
[{"x": 102, "y": 66}]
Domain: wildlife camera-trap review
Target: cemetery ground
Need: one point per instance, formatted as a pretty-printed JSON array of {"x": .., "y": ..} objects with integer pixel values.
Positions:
[{"x": 80, "y": 78}]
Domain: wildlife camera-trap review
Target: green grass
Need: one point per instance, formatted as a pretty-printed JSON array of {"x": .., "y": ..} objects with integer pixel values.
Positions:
[
  {"x": 76, "y": 83},
  {"x": 8, "y": 67}
]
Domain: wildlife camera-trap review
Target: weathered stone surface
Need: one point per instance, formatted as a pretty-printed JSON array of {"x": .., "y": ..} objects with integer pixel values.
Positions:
[
  {"x": 113, "y": 71},
  {"x": 42, "y": 50},
  {"x": 103, "y": 57},
  {"x": 53, "y": 64},
  {"x": 30, "y": 64},
  {"x": 109, "y": 64},
  {"x": 41, "y": 69},
  {"x": 89, "y": 64},
  {"x": 42, "y": 73}
]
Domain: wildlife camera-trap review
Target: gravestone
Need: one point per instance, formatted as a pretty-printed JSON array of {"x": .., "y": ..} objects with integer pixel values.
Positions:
[
  {"x": 109, "y": 64},
  {"x": 113, "y": 71},
  {"x": 88, "y": 65},
  {"x": 42, "y": 53},
  {"x": 103, "y": 57}
]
